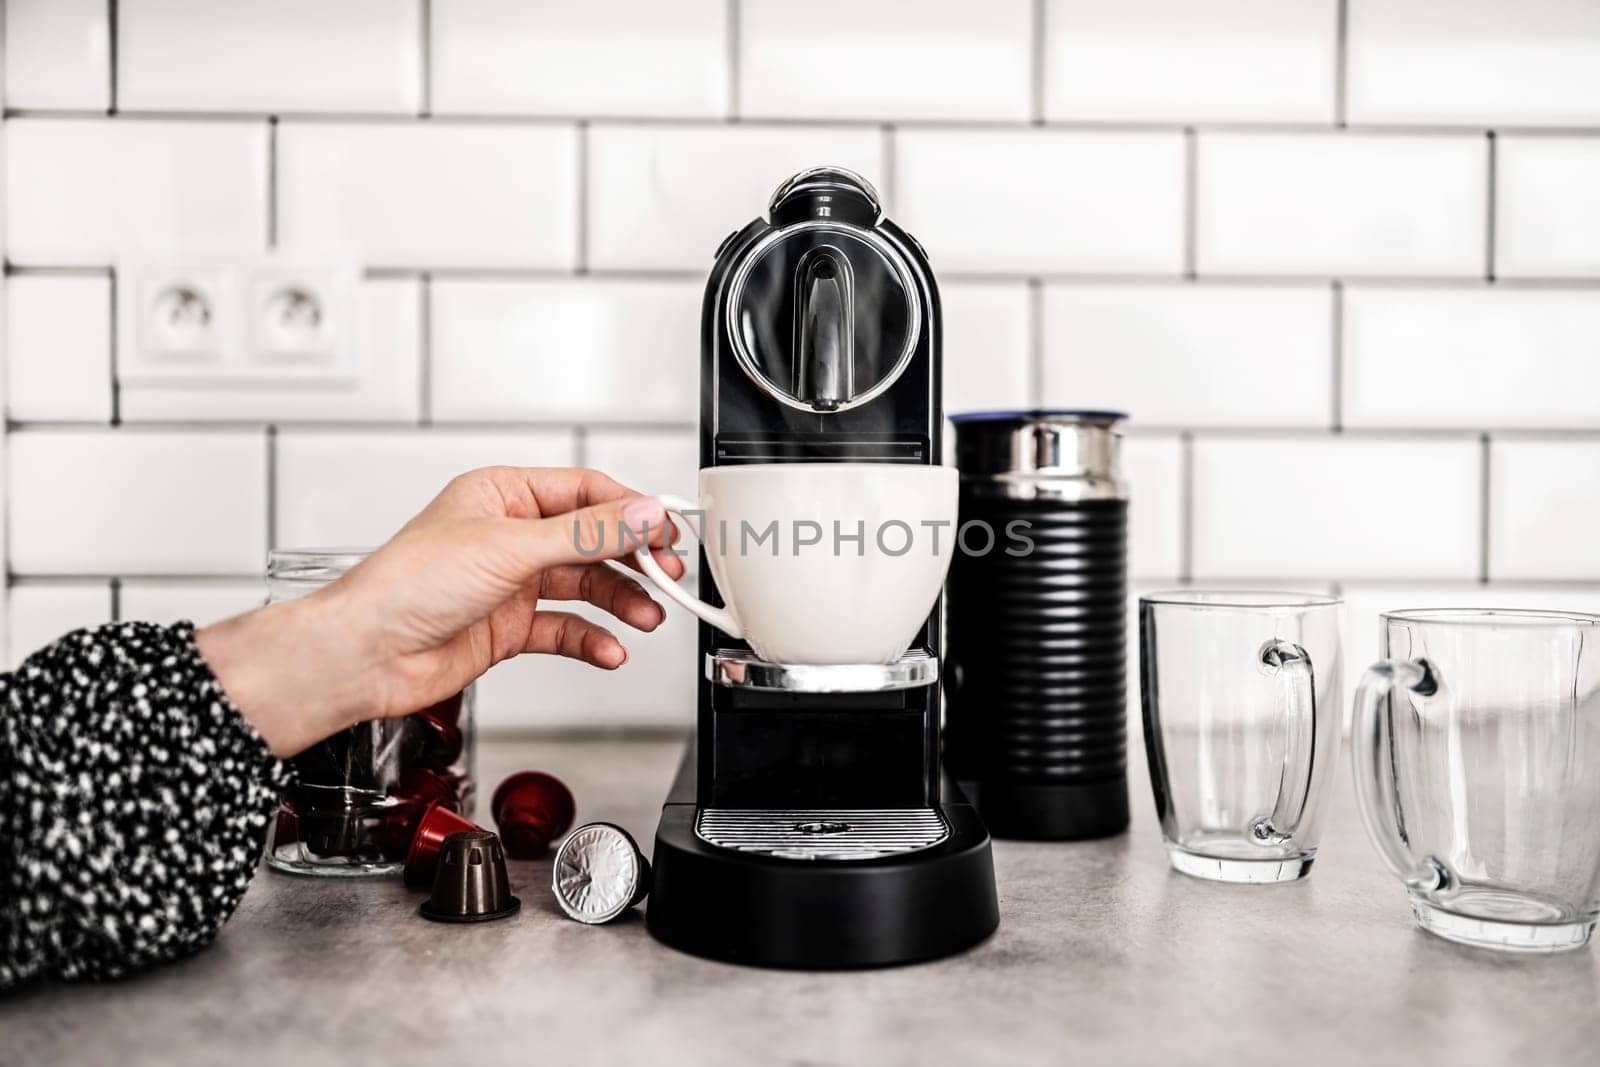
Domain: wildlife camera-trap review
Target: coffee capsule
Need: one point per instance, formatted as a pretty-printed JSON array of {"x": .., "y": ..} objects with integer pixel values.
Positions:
[
  {"x": 471, "y": 885},
  {"x": 599, "y": 873},
  {"x": 430, "y": 787},
  {"x": 532, "y": 809},
  {"x": 422, "y": 857},
  {"x": 447, "y": 710},
  {"x": 432, "y": 743}
]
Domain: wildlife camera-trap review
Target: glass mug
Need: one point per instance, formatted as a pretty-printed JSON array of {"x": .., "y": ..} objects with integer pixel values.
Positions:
[
  {"x": 1476, "y": 752},
  {"x": 358, "y": 795},
  {"x": 1242, "y": 722}
]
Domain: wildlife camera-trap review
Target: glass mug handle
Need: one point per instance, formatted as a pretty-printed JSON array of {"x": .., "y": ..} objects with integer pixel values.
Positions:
[
  {"x": 1292, "y": 664},
  {"x": 721, "y": 618},
  {"x": 1372, "y": 757}
]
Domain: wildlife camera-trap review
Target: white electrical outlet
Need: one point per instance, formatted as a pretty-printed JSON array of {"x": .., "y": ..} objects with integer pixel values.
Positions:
[{"x": 242, "y": 323}]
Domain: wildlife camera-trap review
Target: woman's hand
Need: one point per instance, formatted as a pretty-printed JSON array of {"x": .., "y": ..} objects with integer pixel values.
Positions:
[{"x": 456, "y": 591}]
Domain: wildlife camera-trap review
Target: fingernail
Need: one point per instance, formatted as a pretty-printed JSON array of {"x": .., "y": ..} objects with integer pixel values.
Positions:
[{"x": 642, "y": 514}]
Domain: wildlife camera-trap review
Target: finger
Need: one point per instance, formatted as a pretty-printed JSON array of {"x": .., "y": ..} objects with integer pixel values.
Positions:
[
  {"x": 607, "y": 590},
  {"x": 564, "y": 634},
  {"x": 602, "y": 531},
  {"x": 675, "y": 562},
  {"x": 521, "y": 493}
]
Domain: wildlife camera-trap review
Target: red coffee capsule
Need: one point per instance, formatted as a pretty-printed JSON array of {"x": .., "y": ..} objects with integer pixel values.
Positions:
[
  {"x": 430, "y": 787},
  {"x": 447, "y": 710},
  {"x": 532, "y": 809},
  {"x": 437, "y": 824},
  {"x": 439, "y": 743}
]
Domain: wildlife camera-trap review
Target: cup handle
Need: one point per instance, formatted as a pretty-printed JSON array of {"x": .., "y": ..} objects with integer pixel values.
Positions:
[
  {"x": 721, "y": 618},
  {"x": 1291, "y": 663},
  {"x": 1372, "y": 761}
]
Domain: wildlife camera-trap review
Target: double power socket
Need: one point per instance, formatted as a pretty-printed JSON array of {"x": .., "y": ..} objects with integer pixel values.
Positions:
[{"x": 244, "y": 322}]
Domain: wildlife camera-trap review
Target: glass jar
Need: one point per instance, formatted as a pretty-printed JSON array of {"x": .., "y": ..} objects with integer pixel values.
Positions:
[{"x": 359, "y": 794}]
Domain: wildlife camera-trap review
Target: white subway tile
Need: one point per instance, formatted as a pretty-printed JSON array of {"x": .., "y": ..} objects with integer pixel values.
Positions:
[
  {"x": 656, "y": 687},
  {"x": 871, "y": 59},
  {"x": 388, "y": 351},
  {"x": 419, "y": 194},
  {"x": 1153, "y": 467},
  {"x": 269, "y": 55},
  {"x": 1364, "y": 603},
  {"x": 88, "y": 191},
  {"x": 1336, "y": 508},
  {"x": 1544, "y": 509},
  {"x": 43, "y": 613},
  {"x": 663, "y": 197},
  {"x": 358, "y": 488},
  {"x": 579, "y": 349},
  {"x": 1034, "y": 200},
  {"x": 1547, "y": 210},
  {"x": 1212, "y": 60},
  {"x": 655, "y": 463},
  {"x": 129, "y": 502},
  {"x": 987, "y": 340},
  {"x": 1192, "y": 355},
  {"x": 1475, "y": 62},
  {"x": 58, "y": 54},
  {"x": 58, "y": 347},
  {"x": 580, "y": 57},
  {"x": 1337, "y": 203},
  {"x": 1471, "y": 358},
  {"x": 201, "y": 602}
]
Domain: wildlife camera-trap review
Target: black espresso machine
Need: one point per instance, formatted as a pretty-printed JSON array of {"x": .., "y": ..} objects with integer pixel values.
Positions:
[{"x": 811, "y": 823}]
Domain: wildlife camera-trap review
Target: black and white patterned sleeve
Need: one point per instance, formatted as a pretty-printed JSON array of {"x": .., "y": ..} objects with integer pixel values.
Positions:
[{"x": 134, "y": 802}]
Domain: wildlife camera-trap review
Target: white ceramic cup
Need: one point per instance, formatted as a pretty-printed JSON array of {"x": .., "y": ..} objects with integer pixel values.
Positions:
[{"x": 799, "y": 585}]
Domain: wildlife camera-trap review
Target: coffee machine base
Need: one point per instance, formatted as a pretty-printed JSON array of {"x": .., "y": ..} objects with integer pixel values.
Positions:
[{"x": 754, "y": 907}]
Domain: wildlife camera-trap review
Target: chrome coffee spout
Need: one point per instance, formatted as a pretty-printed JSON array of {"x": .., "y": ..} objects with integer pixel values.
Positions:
[{"x": 824, "y": 367}]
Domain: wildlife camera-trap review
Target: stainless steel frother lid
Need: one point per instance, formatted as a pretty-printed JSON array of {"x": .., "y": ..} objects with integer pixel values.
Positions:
[{"x": 1039, "y": 453}]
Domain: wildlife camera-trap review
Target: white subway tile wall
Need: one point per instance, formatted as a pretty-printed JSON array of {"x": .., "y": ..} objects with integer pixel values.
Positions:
[
  {"x": 1547, "y": 207},
  {"x": 1340, "y": 259},
  {"x": 355, "y": 55},
  {"x": 1191, "y": 60}
]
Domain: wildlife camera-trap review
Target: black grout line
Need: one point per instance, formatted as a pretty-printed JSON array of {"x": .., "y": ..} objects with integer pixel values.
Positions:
[
  {"x": 272, "y": 182},
  {"x": 111, "y": 61},
  {"x": 272, "y": 488},
  {"x": 1337, "y": 356},
  {"x": 116, "y": 599},
  {"x": 1493, "y": 221},
  {"x": 1036, "y": 353},
  {"x": 1186, "y": 509},
  {"x": 425, "y": 40},
  {"x": 425, "y": 351},
  {"x": 116, "y": 384},
  {"x": 1037, "y": 72},
  {"x": 1483, "y": 516},
  {"x": 1341, "y": 65},
  {"x": 1088, "y": 277},
  {"x": 735, "y": 60},
  {"x": 1191, "y": 197},
  {"x": 1177, "y": 124},
  {"x": 582, "y": 236},
  {"x": 887, "y": 188}
]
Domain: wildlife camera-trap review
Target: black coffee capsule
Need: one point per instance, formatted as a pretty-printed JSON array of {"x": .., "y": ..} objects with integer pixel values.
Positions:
[
  {"x": 471, "y": 885},
  {"x": 599, "y": 873}
]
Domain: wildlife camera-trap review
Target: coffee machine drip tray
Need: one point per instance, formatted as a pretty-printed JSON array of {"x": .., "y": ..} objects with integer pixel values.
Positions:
[
  {"x": 743, "y": 670},
  {"x": 817, "y": 834}
]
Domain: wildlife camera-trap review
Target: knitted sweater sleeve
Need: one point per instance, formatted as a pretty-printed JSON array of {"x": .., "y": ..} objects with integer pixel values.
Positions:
[{"x": 134, "y": 802}]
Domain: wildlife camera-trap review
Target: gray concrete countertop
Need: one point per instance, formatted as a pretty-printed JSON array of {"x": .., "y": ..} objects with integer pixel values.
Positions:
[{"x": 1103, "y": 956}]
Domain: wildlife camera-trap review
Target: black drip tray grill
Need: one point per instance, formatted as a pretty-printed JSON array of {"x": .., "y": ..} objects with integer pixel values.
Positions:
[{"x": 815, "y": 834}]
